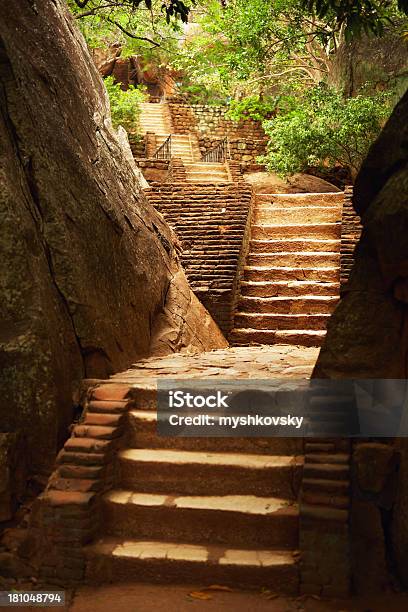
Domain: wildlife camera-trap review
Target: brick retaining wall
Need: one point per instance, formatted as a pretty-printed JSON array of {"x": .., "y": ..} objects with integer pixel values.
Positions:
[
  {"x": 211, "y": 222},
  {"x": 350, "y": 235}
]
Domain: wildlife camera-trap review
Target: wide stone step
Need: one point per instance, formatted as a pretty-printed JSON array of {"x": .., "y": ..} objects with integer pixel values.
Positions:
[
  {"x": 266, "y": 231},
  {"x": 278, "y": 245},
  {"x": 280, "y": 321},
  {"x": 230, "y": 520},
  {"x": 316, "y": 214},
  {"x": 142, "y": 433},
  {"x": 288, "y": 288},
  {"x": 198, "y": 473},
  {"x": 115, "y": 560},
  {"x": 277, "y": 273},
  {"x": 297, "y": 260},
  {"x": 243, "y": 337},
  {"x": 285, "y": 305},
  {"x": 286, "y": 200}
]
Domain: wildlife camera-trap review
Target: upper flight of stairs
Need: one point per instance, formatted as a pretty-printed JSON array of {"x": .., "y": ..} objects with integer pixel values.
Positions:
[
  {"x": 155, "y": 117},
  {"x": 291, "y": 277},
  {"x": 182, "y": 511}
]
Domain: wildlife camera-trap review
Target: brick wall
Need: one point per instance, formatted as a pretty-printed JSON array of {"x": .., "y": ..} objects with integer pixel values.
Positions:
[
  {"x": 211, "y": 222},
  {"x": 67, "y": 515},
  {"x": 350, "y": 234}
]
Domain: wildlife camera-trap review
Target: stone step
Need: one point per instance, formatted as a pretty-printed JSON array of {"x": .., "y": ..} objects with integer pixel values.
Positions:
[
  {"x": 326, "y": 486},
  {"x": 327, "y": 471},
  {"x": 316, "y": 214},
  {"x": 280, "y": 321},
  {"x": 288, "y": 288},
  {"x": 115, "y": 560},
  {"x": 285, "y": 305},
  {"x": 199, "y": 473},
  {"x": 230, "y": 520},
  {"x": 290, "y": 200},
  {"x": 243, "y": 337},
  {"x": 142, "y": 433},
  {"x": 295, "y": 259},
  {"x": 266, "y": 231},
  {"x": 277, "y": 273},
  {"x": 278, "y": 245},
  {"x": 325, "y": 499}
]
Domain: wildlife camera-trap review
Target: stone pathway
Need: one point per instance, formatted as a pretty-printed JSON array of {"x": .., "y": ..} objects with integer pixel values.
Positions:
[{"x": 241, "y": 362}]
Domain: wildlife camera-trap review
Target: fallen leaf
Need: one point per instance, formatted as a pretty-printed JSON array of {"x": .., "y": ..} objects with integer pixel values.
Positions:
[
  {"x": 199, "y": 595},
  {"x": 218, "y": 587}
]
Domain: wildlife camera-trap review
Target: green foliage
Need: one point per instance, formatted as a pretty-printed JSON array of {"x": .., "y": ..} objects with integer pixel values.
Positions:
[
  {"x": 251, "y": 107},
  {"x": 369, "y": 16},
  {"x": 125, "y": 105},
  {"x": 321, "y": 129}
]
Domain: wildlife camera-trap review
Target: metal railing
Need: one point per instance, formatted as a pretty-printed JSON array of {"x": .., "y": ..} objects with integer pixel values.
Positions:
[
  {"x": 218, "y": 154},
  {"x": 164, "y": 151}
]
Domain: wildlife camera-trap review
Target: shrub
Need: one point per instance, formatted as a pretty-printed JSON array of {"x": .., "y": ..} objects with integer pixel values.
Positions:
[
  {"x": 251, "y": 107},
  {"x": 322, "y": 129},
  {"x": 125, "y": 105}
]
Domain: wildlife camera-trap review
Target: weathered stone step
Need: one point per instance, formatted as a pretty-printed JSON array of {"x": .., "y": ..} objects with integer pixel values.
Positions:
[
  {"x": 288, "y": 288},
  {"x": 286, "y": 305},
  {"x": 142, "y": 433},
  {"x": 326, "y": 499},
  {"x": 297, "y": 260},
  {"x": 198, "y": 473},
  {"x": 299, "y": 230},
  {"x": 324, "y": 513},
  {"x": 326, "y": 486},
  {"x": 317, "y": 214},
  {"x": 327, "y": 471},
  {"x": 277, "y": 245},
  {"x": 286, "y": 200},
  {"x": 285, "y": 273},
  {"x": 112, "y": 560},
  {"x": 230, "y": 520},
  {"x": 242, "y": 337},
  {"x": 280, "y": 321}
]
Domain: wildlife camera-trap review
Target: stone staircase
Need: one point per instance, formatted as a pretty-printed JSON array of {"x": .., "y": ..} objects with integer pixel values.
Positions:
[
  {"x": 182, "y": 511},
  {"x": 291, "y": 277},
  {"x": 207, "y": 172},
  {"x": 155, "y": 117}
]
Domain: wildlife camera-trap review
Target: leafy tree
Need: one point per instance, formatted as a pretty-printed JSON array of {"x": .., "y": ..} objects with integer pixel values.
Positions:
[
  {"x": 125, "y": 105},
  {"x": 369, "y": 16},
  {"x": 321, "y": 130},
  {"x": 150, "y": 28}
]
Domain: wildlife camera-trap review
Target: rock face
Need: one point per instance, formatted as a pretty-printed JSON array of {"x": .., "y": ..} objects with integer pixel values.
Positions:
[
  {"x": 87, "y": 263},
  {"x": 367, "y": 335}
]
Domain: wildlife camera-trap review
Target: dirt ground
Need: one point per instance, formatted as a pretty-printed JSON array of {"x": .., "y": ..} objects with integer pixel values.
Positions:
[{"x": 183, "y": 598}]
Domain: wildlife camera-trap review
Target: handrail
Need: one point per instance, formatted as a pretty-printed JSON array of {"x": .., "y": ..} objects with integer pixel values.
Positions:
[
  {"x": 219, "y": 153},
  {"x": 164, "y": 151}
]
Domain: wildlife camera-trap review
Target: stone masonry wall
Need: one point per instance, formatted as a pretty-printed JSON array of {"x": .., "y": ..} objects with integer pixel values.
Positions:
[
  {"x": 350, "y": 235},
  {"x": 210, "y": 123},
  {"x": 211, "y": 222}
]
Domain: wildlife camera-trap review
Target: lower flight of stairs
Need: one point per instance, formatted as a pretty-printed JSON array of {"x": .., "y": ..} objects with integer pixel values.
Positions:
[
  {"x": 206, "y": 172},
  {"x": 182, "y": 511},
  {"x": 291, "y": 278}
]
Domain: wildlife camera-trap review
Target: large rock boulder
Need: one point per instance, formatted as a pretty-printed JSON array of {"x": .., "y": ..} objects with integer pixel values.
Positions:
[
  {"x": 87, "y": 263},
  {"x": 368, "y": 332}
]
